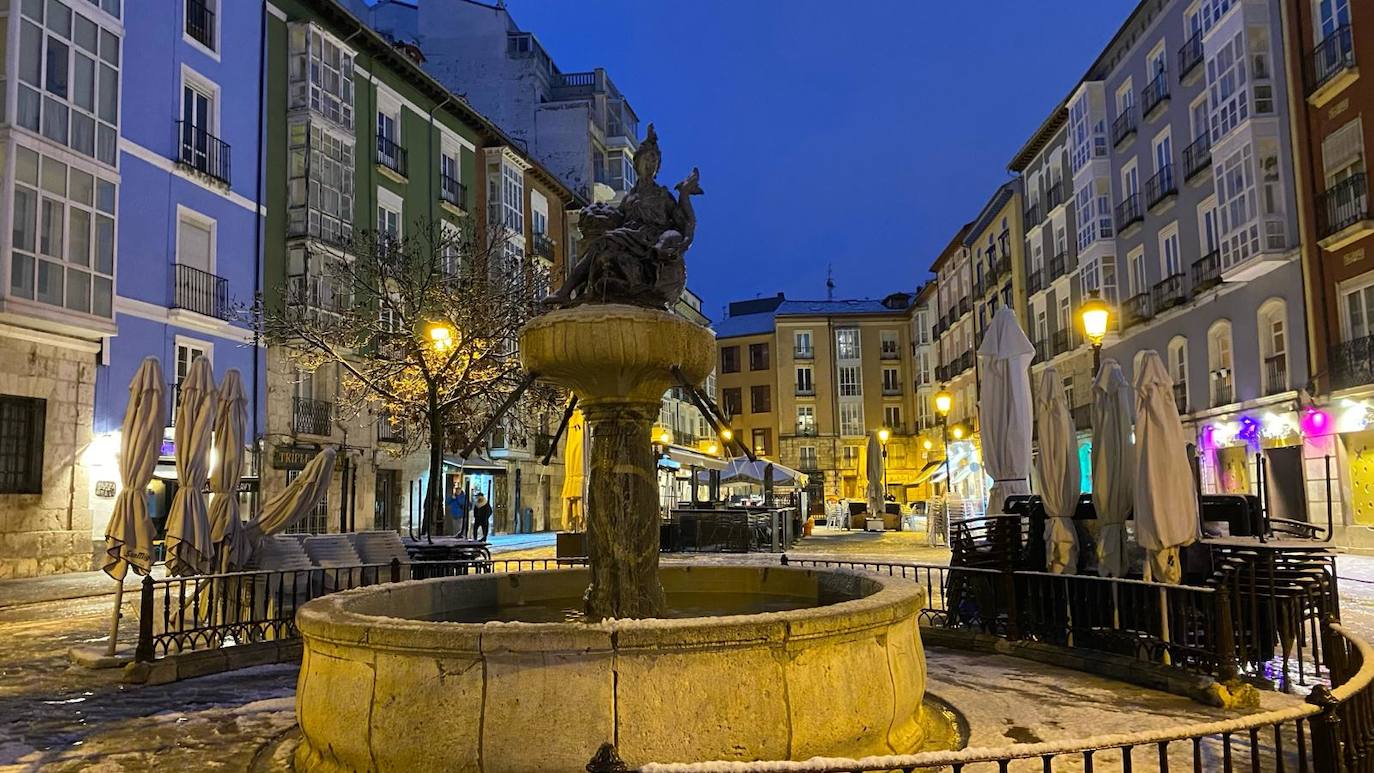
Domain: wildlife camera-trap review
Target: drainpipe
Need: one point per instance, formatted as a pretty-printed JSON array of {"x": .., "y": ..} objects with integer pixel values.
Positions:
[{"x": 258, "y": 256}]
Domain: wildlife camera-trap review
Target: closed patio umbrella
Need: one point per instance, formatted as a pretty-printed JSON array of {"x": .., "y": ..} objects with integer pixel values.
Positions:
[
  {"x": 574, "y": 476},
  {"x": 297, "y": 499},
  {"x": 190, "y": 549},
  {"x": 226, "y": 528},
  {"x": 1059, "y": 473},
  {"x": 1166, "y": 516},
  {"x": 1113, "y": 465},
  {"x": 873, "y": 490},
  {"x": 1005, "y": 407}
]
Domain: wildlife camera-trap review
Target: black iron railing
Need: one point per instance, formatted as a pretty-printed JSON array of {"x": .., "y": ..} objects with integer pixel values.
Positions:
[
  {"x": 173, "y": 402},
  {"x": 202, "y": 151},
  {"x": 1042, "y": 350},
  {"x": 389, "y": 432},
  {"x": 1058, "y": 265},
  {"x": 966, "y": 361},
  {"x": 805, "y": 391},
  {"x": 1197, "y": 156},
  {"x": 201, "y": 292},
  {"x": 1275, "y": 374},
  {"x": 200, "y": 23},
  {"x": 1124, "y": 125},
  {"x": 391, "y": 155},
  {"x": 980, "y": 287},
  {"x": 807, "y": 353},
  {"x": 965, "y": 306},
  {"x": 1155, "y": 92},
  {"x": 312, "y": 417},
  {"x": 1034, "y": 215},
  {"x": 1223, "y": 392},
  {"x": 1002, "y": 266},
  {"x": 1343, "y": 205},
  {"x": 1135, "y": 310},
  {"x": 1189, "y": 55},
  {"x": 1207, "y": 271},
  {"x": 1061, "y": 341},
  {"x": 453, "y": 192},
  {"x": 1351, "y": 362},
  {"x": 1035, "y": 281},
  {"x": 1129, "y": 212},
  {"x": 543, "y": 246},
  {"x": 1168, "y": 292},
  {"x": 1161, "y": 186},
  {"x": 1330, "y": 58},
  {"x": 1055, "y": 195},
  {"x": 889, "y": 353},
  {"x": 1181, "y": 396}
]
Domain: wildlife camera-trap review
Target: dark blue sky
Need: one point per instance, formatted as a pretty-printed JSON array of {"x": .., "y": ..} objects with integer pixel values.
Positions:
[{"x": 858, "y": 134}]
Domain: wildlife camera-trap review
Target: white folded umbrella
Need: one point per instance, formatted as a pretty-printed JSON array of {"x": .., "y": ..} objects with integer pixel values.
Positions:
[
  {"x": 130, "y": 533},
  {"x": 1059, "y": 473},
  {"x": 226, "y": 527},
  {"x": 1005, "y": 407},
  {"x": 297, "y": 499},
  {"x": 873, "y": 492},
  {"x": 190, "y": 549},
  {"x": 1166, "y": 515},
  {"x": 1113, "y": 465}
]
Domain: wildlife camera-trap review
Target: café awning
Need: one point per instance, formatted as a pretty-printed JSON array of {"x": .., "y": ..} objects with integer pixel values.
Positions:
[
  {"x": 689, "y": 458},
  {"x": 474, "y": 462}
]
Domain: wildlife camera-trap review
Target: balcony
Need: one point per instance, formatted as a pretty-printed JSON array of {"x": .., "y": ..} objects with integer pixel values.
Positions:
[
  {"x": 1058, "y": 265},
  {"x": 1161, "y": 186},
  {"x": 1197, "y": 157},
  {"x": 1054, "y": 196},
  {"x": 804, "y": 430},
  {"x": 1034, "y": 215},
  {"x": 1275, "y": 374},
  {"x": 941, "y": 373},
  {"x": 1155, "y": 93},
  {"x": 1181, "y": 396},
  {"x": 1136, "y": 310},
  {"x": 1042, "y": 350},
  {"x": 1189, "y": 56},
  {"x": 391, "y": 156},
  {"x": 1129, "y": 212},
  {"x": 1060, "y": 341},
  {"x": 935, "y": 330},
  {"x": 543, "y": 246},
  {"x": 892, "y": 390},
  {"x": 312, "y": 417},
  {"x": 806, "y": 390},
  {"x": 889, "y": 353},
  {"x": 1002, "y": 267},
  {"x": 1168, "y": 293},
  {"x": 966, "y": 361},
  {"x": 1207, "y": 272},
  {"x": 1331, "y": 66},
  {"x": 201, "y": 292},
  {"x": 1343, "y": 213},
  {"x": 387, "y": 432},
  {"x": 1124, "y": 126},
  {"x": 1351, "y": 363},
  {"x": 1222, "y": 392},
  {"x": 1035, "y": 281},
  {"x": 965, "y": 306},
  {"x": 453, "y": 192},
  {"x": 202, "y": 151},
  {"x": 200, "y": 23},
  {"x": 805, "y": 353},
  {"x": 980, "y": 287}
]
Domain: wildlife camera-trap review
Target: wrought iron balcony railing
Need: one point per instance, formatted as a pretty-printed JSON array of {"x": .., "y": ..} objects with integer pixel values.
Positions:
[
  {"x": 453, "y": 192},
  {"x": 1035, "y": 281},
  {"x": 1168, "y": 293},
  {"x": 391, "y": 155},
  {"x": 312, "y": 417},
  {"x": 1129, "y": 212},
  {"x": 1161, "y": 186},
  {"x": 200, "y": 23},
  {"x": 1343, "y": 205},
  {"x": 1135, "y": 310},
  {"x": 1197, "y": 157},
  {"x": 1189, "y": 55},
  {"x": 804, "y": 353},
  {"x": 1351, "y": 362},
  {"x": 202, "y": 151},
  {"x": 201, "y": 292},
  {"x": 1058, "y": 265},
  {"x": 388, "y": 432},
  {"x": 543, "y": 246},
  {"x": 1124, "y": 125},
  {"x": 1062, "y": 342},
  {"x": 1181, "y": 396},
  {"x": 1155, "y": 92},
  {"x": 1331, "y": 57},
  {"x": 1002, "y": 267},
  {"x": 1275, "y": 374},
  {"x": 1034, "y": 214},
  {"x": 1207, "y": 271},
  {"x": 1055, "y": 195},
  {"x": 1222, "y": 391}
]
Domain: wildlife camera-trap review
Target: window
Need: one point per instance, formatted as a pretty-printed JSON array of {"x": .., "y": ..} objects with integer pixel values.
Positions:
[
  {"x": 851, "y": 418},
  {"x": 805, "y": 386},
  {"x": 388, "y": 219},
  {"x": 1331, "y": 16},
  {"x": 1163, "y": 150},
  {"x": 1219, "y": 363},
  {"x": 450, "y": 177},
  {"x": 62, "y": 235},
  {"x": 1274, "y": 345},
  {"x": 1357, "y": 307},
  {"x": 1343, "y": 154},
  {"x": 200, "y": 22},
  {"x": 21, "y": 444},
  {"x": 729, "y": 359},
  {"x": 892, "y": 381},
  {"x": 888, "y": 341},
  {"x": 1178, "y": 369},
  {"x": 389, "y": 151},
  {"x": 321, "y": 75},
  {"x": 1226, "y": 87},
  {"x": 806, "y": 420},
  {"x": 1136, "y": 262},
  {"x": 806, "y": 456},
  {"x": 801, "y": 343},
  {"x": 850, "y": 381},
  {"x": 892, "y": 417},
  {"x": 1170, "y": 257},
  {"x": 758, "y": 356},
  {"x": 195, "y": 241},
  {"x": 316, "y": 521},
  {"x": 847, "y": 343},
  {"x": 1130, "y": 180},
  {"x": 849, "y": 456},
  {"x": 731, "y": 402},
  {"x": 69, "y": 79},
  {"x": 319, "y": 183},
  {"x": 201, "y": 149},
  {"x": 187, "y": 353},
  {"x": 539, "y": 214},
  {"x": 506, "y": 195},
  {"x": 763, "y": 442},
  {"x": 759, "y": 400},
  {"x": 1207, "y": 226}
]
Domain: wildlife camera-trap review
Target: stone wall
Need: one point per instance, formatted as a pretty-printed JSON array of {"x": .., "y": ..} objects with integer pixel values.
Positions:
[{"x": 50, "y": 532}]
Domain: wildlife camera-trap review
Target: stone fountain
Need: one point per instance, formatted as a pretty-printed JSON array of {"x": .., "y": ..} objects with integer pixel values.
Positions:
[{"x": 534, "y": 670}]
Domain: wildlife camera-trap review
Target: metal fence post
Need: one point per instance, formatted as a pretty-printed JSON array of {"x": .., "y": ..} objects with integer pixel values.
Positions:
[
  {"x": 395, "y": 570},
  {"x": 1009, "y": 589},
  {"x": 1226, "y": 637},
  {"x": 607, "y": 761},
  {"x": 1327, "y": 752},
  {"x": 144, "y": 651}
]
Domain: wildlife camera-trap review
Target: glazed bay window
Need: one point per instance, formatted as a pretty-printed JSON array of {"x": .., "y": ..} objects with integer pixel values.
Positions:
[
  {"x": 847, "y": 343},
  {"x": 851, "y": 418},
  {"x": 62, "y": 235},
  {"x": 850, "y": 381},
  {"x": 806, "y": 420},
  {"x": 319, "y": 189},
  {"x": 320, "y": 77},
  {"x": 505, "y": 192},
  {"x": 69, "y": 79}
]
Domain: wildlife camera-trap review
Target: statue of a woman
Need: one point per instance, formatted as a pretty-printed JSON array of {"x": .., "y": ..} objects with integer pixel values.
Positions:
[{"x": 633, "y": 253}]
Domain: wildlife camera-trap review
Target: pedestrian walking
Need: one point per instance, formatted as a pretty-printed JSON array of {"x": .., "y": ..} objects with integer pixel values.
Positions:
[
  {"x": 458, "y": 508},
  {"x": 481, "y": 517}
]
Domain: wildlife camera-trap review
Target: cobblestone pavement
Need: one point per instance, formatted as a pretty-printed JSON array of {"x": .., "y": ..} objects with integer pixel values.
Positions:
[{"x": 57, "y": 716}]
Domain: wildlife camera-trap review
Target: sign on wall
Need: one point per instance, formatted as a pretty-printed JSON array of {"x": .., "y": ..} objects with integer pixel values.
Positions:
[{"x": 292, "y": 457}]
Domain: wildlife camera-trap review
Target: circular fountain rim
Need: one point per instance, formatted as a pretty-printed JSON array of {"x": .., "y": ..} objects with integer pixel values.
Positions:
[{"x": 331, "y": 618}]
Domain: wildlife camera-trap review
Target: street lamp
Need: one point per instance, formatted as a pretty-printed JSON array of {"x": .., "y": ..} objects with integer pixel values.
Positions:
[
  {"x": 958, "y": 432},
  {"x": 944, "y": 401},
  {"x": 926, "y": 444},
  {"x": 883, "y": 435},
  {"x": 1096, "y": 315},
  {"x": 440, "y": 336}
]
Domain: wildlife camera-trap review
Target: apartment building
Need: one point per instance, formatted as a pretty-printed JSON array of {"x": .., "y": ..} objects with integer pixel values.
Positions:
[
  {"x": 578, "y": 124},
  {"x": 359, "y": 134},
  {"x": 1326, "y": 42}
]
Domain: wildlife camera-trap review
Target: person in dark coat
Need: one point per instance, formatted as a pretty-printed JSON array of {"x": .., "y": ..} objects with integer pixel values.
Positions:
[{"x": 481, "y": 517}]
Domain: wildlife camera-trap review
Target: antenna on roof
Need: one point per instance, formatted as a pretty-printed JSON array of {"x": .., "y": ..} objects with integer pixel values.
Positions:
[{"x": 829, "y": 283}]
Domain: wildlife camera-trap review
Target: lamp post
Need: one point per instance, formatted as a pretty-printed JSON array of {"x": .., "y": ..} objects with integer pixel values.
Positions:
[
  {"x": 944, "y": 401},
  {"x": 883, "y": 435},
  {"x": 439, "y": 335},
  {"x": 1095, "y": 315}
]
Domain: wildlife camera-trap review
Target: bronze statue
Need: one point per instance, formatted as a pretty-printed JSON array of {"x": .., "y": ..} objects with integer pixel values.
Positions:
[{"x": 633, "y": 253}]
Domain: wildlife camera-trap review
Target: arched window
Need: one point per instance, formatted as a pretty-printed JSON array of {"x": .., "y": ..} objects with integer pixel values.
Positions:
[
  {"x": 1220, "y": 363},
  {"x": 1273, "y": 338},
  {"x": 1177, "y": 363}
]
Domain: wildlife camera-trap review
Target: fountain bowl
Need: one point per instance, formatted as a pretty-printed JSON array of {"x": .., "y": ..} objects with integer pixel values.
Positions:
[{"x": 390, "y": 682}]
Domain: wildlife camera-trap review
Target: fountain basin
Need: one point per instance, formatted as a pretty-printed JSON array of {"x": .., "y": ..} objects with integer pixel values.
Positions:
[{"x": 386, "y": 686}]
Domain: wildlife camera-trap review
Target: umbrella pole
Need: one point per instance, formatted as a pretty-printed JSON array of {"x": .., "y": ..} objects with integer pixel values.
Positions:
[{"x": 114, "y": 618}]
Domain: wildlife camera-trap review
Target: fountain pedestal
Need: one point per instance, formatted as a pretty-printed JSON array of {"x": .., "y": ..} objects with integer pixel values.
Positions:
[{"x": 619, "y": 361}]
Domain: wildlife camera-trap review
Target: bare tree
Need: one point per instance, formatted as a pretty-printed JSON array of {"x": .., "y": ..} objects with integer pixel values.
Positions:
[{"x": 423, "y": 331}]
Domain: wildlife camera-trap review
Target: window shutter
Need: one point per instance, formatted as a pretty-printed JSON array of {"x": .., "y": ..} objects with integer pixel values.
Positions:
[{"x": 1342, "y": 148}]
